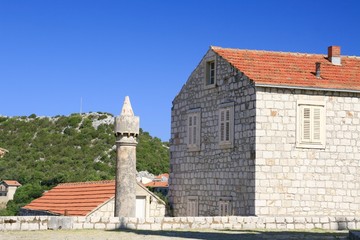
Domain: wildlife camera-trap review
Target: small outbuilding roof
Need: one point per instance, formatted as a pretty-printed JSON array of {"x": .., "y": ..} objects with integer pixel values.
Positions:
[
  {"x": 77, "y": 199},
  {"x": 74, "y": 199},
  {"x": 11, "y": 183}
]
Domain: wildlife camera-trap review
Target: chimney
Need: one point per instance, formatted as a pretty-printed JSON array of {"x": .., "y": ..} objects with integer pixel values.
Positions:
[
  {"x": 317, "y": 69},
  {"x": 334, "y": 55}
]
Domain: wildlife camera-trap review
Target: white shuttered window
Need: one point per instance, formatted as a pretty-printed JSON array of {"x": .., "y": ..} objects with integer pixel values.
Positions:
[
  {"x": 226, "y": 125},
  {"x": 193, "y": 130},
  {"x": 311, "y": 125}
]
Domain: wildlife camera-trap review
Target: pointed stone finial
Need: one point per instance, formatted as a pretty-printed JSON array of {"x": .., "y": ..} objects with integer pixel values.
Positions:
[
  {"x": 127, "y": 109},
  {"x": 127, "y": 124}
]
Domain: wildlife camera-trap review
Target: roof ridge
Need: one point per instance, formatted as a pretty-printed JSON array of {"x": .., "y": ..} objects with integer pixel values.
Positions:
[
  {"x": 270, "y": 51},
  {"x": 87, "y": 183}
]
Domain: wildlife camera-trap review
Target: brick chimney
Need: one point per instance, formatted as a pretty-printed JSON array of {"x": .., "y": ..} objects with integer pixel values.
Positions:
[{"x": 334, "y": 55}]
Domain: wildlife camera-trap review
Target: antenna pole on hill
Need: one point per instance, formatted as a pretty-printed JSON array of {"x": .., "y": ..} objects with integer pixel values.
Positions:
[{"x": 80, "y": 105}]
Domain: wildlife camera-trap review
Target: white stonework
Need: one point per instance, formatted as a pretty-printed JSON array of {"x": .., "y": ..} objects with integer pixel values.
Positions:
[
  {"x": 264, "y": 173},
  {"x": 21, "y": 223}
]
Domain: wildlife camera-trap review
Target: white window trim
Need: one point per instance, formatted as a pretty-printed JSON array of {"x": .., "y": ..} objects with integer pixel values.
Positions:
[
  {"x": 192, "y": 211},
  {"x": 193, "y": 138},
  {"x": 227, "y": 143},
  {"x": 311, "y": 106},
  {"x": 206, "y": 67},
  {"x": 225, "y": 202}
]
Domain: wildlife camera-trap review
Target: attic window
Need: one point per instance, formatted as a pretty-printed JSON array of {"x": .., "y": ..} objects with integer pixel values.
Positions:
[{"x": 210, "y": 73}]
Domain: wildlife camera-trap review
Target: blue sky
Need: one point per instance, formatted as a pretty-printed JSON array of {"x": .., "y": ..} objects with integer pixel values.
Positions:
[{"x": 53, "y": 53}]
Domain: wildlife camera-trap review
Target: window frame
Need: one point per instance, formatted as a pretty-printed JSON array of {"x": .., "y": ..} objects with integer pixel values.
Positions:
[
  {"x": 210, "y": 72},
  {"x": 193, "y": 137},
  {"x": 311, "y": 124},
  {"x": 225, "y": 202},
  {"x": 226, "y": 124}
]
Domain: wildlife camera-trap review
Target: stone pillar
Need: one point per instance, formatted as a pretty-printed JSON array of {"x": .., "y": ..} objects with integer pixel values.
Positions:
[{"x": 126, "y": 132}]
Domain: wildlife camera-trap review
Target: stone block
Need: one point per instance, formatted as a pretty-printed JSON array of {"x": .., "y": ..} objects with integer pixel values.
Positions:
[
  {"x": 280, "y": 220},
  {"x": 270, "y": 225},
  {"x": 88, "y": 225},
  {"x": 81, "y": 219},
  {"x": 224, "y": 219},
  {"x": 324, "y": 220},
  {"x": 150, "y": 220},
  {"x": 144, "y": 227},
  {"x": 77, "y": 225},
  {"x": 100, "y": 226},
  {"x": 232, "y": 219},
  {"x": 131, "y": 226},
  {"x": 309, "y": 226},
  {"x": 130, "y": 220},
  {"x": 217, "y": 226},
  {"x": 166, "y": 226},
  {"x": 156, "y": 226},
  {"x": 24, "y": 226},
  {"x": 169, "y": 219},
  {"x": 95, "y": 219},
  {"x": 59, "y": 222},
  {"x": 114, "y": 220},
  {"x": 110, "y": 226},
  {"x": 299, "y": 226},
  {"x": 228, "y": 226}
]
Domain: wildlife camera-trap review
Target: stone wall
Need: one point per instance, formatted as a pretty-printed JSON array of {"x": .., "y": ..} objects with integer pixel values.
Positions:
[
  {"x": 23, "y": 223},
  {"x": 106, "y": 210},
  {"x": 214, "y": 172},
  {"x": 305, "y": 181}
]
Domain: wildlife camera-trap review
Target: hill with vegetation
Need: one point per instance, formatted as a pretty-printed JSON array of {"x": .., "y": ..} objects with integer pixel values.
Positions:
[{"x": 46, "y": 151}]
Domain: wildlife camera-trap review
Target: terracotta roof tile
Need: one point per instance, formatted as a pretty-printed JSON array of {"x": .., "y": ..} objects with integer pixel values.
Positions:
[
  {"x": 12, "y": 182},
  {"x": 294, "y": 69},
  {"x": 158, "y": 181},
  {"x": 74, "y": 199},
  {"x": 156, "y": 184}
]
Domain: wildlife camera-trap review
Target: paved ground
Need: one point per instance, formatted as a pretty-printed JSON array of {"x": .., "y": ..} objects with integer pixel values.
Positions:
[{"x": 167, "y": 235}]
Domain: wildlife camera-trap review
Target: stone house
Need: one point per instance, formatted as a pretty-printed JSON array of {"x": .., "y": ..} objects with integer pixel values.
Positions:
[
  {"x": 267, "y": 133},
  {"x": 159, "y": 184},
  {"x": 91, "y": 199},
  {"x": 7, "y": 191}
]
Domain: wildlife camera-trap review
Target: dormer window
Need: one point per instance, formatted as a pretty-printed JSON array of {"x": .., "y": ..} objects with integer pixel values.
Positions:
[{"x": 210, "y": 73}]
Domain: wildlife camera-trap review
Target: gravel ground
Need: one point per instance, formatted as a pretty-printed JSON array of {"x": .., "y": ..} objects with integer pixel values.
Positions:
[{"x": 168, "y": 235}]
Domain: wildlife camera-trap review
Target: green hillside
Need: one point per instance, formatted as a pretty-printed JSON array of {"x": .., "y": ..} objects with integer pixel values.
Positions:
[{"x": 46, "y": 151}]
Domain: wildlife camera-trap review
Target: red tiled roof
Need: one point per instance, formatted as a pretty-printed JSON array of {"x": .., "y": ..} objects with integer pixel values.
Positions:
[
  {"x": 166, "y": 175},
  {"x": 156, "y": 184},
  {"x": 74, "y": 199},
  {"x": 12, "y": 182},
  {"x": 294, "y": 69}
]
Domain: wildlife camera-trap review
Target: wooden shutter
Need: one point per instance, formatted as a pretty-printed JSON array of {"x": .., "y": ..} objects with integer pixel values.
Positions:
[
  {"x": 306, "y": 125},
  {"x": 190, "y": 130},
  {"x": 227, "y": 128},
  {"x": 194, "y": 130},
  {"x": 316, "y": 124},
  {"x": 311, "y": 124},
  {"x": 222, "y": 125}
]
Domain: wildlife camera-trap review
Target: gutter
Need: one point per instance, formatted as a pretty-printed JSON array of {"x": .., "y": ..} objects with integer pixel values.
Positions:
[{"x": 307, "y": 88}]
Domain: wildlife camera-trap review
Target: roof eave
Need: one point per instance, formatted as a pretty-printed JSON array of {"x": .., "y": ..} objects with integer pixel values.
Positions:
[{"x": 306, "y": 88}]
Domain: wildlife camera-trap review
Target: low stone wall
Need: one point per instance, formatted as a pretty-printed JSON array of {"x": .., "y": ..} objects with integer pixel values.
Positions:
[{"x": 27, "y": 223}]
